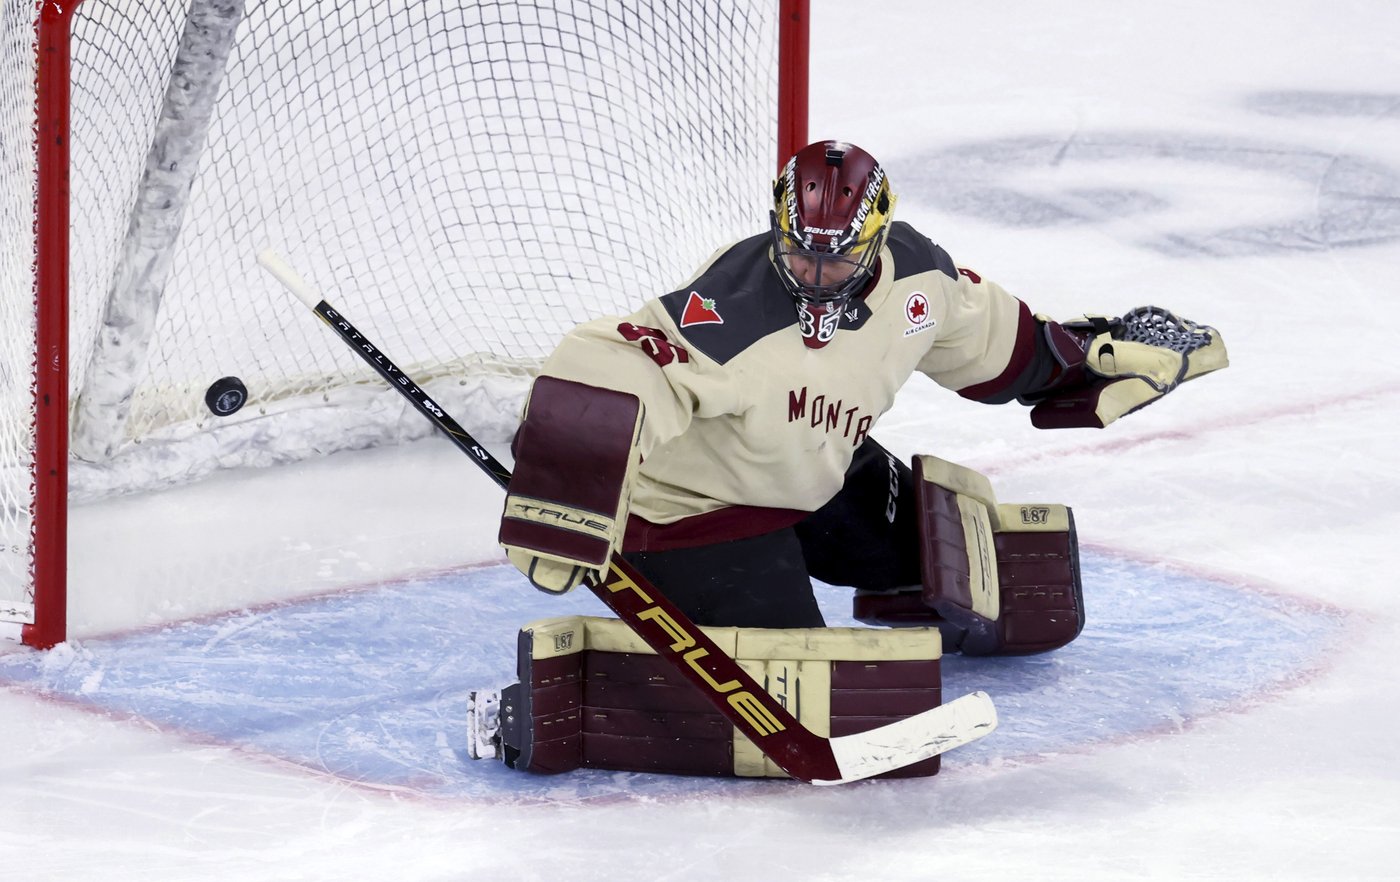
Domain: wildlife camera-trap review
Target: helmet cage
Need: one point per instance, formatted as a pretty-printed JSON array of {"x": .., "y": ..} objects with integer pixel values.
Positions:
[
  {"x": 832, "y": 205},
  {"x": 822, "y": 269}
]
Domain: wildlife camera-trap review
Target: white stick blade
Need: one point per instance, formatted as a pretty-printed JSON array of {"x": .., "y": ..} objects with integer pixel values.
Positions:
[
  {"x": 289, "y": 277},
  {"x": 919, "y": 737}
]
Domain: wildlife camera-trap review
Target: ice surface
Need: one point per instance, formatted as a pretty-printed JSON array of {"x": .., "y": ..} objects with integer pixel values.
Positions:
[
  {"x": 1230, "y": 714},
  {"x": 370, "y": 686}
]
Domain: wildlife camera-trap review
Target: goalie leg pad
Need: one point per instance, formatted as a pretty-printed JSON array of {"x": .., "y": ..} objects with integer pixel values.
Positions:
[
  {"x": 997, "y": 579},
  {"x": 593, "y": 695},
  {"x": 1042, "y": 597}
]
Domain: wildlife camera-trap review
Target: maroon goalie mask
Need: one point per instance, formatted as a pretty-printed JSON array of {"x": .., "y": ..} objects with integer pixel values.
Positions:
[{"x": 831, "y": 212}]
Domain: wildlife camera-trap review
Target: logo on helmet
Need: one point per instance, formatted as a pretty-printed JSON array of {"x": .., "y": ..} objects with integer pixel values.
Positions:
[
  {"x": 872, "y": 190},
  {"x": 790, "y": 192}
]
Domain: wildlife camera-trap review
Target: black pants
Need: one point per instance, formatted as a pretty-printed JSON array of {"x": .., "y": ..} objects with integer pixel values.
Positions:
[{"x": 865, "y": 537}]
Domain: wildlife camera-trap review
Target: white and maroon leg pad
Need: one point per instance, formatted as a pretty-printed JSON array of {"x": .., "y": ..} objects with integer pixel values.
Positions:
[
  {"x": 1042, "y": 598},
  {"x": 593, "y": 695},
  {"x": 997, "y": 579}
]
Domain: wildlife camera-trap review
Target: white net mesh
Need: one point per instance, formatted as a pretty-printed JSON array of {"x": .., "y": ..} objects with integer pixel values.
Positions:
[
  {"x": 465, "y": 180},
  {"x": 17, "y": 308}
]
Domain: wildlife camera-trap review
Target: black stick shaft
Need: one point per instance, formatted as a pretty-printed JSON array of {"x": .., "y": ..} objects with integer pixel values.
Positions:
[{"x": 414, "y": 393}]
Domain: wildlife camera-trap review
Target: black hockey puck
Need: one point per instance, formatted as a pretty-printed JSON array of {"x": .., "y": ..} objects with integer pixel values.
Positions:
[{"x": 225, "y": 396}]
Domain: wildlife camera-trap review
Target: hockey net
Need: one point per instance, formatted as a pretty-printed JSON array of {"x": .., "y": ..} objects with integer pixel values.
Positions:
[{"x": 468, "y": 179}]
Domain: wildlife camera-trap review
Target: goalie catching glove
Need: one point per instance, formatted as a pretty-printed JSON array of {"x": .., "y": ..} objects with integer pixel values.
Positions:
[
  {"x": 1113, "y": 366},
  {"x": 575, "y": 460}
]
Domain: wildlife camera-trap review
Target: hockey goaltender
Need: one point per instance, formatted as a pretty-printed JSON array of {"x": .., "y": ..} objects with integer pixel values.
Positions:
[{"x": 720, "y": 439}]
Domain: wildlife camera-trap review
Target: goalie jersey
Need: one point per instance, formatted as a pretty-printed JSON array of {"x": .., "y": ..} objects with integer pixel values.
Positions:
[{"x": 748, "y": 430}]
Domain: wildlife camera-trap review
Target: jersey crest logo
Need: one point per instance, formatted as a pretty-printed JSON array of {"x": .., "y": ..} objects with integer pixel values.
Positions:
[{"x": 700, "y": 311}]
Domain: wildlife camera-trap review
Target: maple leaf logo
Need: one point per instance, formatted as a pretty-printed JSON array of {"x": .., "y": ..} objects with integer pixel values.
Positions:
[{"x": 916, "y": 308}]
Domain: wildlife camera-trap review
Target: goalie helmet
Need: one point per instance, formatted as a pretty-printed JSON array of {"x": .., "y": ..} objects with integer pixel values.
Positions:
[{"x": 831, "y": 213}]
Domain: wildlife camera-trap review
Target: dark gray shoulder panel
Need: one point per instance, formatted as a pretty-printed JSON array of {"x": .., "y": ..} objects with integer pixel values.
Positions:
[
  {"x": 914, "y": 253},
  {"x": 736, "y": 302}
]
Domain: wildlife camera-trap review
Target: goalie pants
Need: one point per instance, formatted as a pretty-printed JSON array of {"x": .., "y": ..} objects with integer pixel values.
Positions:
[{"x": 865, "y": 537}]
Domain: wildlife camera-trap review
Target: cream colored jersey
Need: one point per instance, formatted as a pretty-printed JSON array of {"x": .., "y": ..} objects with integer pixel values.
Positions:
[{"x": 739, "y": 412}]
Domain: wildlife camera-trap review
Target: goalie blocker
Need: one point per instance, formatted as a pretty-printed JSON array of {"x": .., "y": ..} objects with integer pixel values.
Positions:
[
  {"x": 576, "y": 459},
  {"x": 591, "y": 694},
  {"x": 997, "y": 579}
]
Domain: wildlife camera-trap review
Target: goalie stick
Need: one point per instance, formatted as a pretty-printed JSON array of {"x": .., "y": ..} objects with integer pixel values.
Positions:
[{"x": 794, "y": 748}]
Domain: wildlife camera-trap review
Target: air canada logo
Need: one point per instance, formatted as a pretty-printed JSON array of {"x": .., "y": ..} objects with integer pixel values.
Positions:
[
  {"x": 700, "y": 311},
  {"x": 917, "y": 312},
  {"x": 916, "y": 308}
]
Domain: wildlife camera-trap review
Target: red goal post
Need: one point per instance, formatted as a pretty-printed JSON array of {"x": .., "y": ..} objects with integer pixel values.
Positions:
[{"x": 531, "y": 163}]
